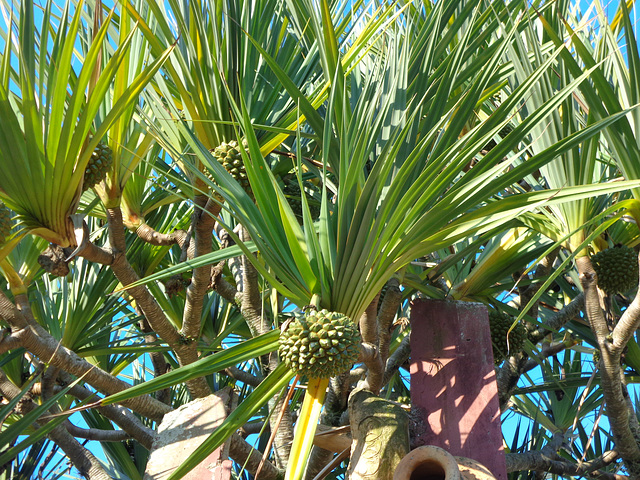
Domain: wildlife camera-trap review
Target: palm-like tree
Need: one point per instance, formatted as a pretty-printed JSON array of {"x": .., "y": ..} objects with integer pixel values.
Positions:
[{"x": 391, "y": 117}]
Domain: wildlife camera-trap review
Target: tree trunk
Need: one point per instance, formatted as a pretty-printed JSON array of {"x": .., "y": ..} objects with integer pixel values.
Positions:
[{"x": 380, "y": 432}]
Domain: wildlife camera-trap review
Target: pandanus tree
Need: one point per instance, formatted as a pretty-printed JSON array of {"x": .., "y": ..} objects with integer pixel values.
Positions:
[{"x": 328, "y": 159}]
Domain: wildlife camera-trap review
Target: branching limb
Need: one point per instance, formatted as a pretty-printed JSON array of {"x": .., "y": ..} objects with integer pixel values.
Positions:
[
  {"x": 368, "y": 352},
  {"x": 251, "y": 305},
  {"x": 397, "y": 359},
  {"x": 369, "y": 331},
  {"x": 510, "y": 372},
  {"x": 388, "y": 309},
  {"x": 558, "y": 320},
  {"x": 613, "y": 388},
  {"x": 244, "y": 377},
  {"x": 121, "y": 416},
  {"x": 157, "y": 359},
  {"x": 48, "y": 383},
  {"x": 250, "y": 297},
  {"x": 225, "y": 289},
  {"x": 243, "y": 453},
  {"x": 39, "y": 342},
  {"x": 153, "y": 237},
  {"x": 96, "y": 254},
  {"x": 251, "y": 428},
  {"x": 236, "y": 264},
  {"x": 221, "y": 286},
  {"x": 82, "y": 459},
  {"x": 507, "y": 377},
  {"x": 550, "y": 462},
  {"x": 203, "y": 219},
  {"x": 548, "y": 350},
  {"x": 8, "y": 341},
  {"x": 97, "y": 434},
  {"x": 153, "y": 312}
]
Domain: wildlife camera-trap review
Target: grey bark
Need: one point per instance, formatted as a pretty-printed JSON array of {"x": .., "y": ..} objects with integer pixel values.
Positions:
[
  {"x": 622, "y": 419},
  {"x": 39, "y": 342},
  {"x": 81, "y": 458}
]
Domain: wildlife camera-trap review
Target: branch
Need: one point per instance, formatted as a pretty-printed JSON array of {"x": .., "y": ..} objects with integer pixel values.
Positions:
[
  {"x": 548, "y": 350},
  {"x": 96, "y": 254},
  {"x": 251, "y": 428},
  {"x": 96, "y": 433},
  {"x": 8, "y": 341},
  {"x": 510, "y": 372},
  {"x": 559, "y": 319},
  {"x": 224, "y": 288},
  {"x": 39, "y": 342},
  {"x": 369, "y": 330},
  {"x": 122, "y": 417},
  {"x": 203, "y": 219},
  {"x": 185, "y": 353},
  {"x": 397, "y": 359},
  {"x": 81, "y": 458},
  {"x": 157, "y": 358},
  {"x": 242, "y": 376},
  {"x": 125, "y": 273},
  {"x": 235, "y": 263},
  {"x": 243, "y": 453},
  {"x": 251, "y": 304},
  {"x": 153, "y": 237},
  {"x": 388, "y": 309},
  {"x": 250, "y": 297},
  {"x": 551, "y": 463},
  {"x": 614, "y": 391},
  {"x": 507, "y": 377}
]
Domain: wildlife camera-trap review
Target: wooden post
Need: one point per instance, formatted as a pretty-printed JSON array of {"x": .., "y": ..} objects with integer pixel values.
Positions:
[{"x": 453, "y": 381}]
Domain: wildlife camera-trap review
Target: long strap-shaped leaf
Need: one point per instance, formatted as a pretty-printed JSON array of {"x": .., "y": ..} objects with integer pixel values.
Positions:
[
  {"x": 214, "y": 363},
  {"x": 306, "y": 428},
  {"x": 276, "y": 381}
]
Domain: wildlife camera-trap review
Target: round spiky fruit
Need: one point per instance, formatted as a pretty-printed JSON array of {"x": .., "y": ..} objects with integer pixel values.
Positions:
[
  {"x": 617, "y": 269},
  {"x": 5, "y": 222},
  {"x": 98, "y": 166},
  {"x": 320, "y": 344},
  {"x": 228, "y": 155},
  {"x": 596, "y": 357},
  {"x": 293, "y": 194},
  {"x": 503, "y": 341},
  {"x": 506, "y": 130}
]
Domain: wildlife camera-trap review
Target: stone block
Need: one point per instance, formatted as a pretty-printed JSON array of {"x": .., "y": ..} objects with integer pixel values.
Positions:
[{"x": 184, "y": 430}]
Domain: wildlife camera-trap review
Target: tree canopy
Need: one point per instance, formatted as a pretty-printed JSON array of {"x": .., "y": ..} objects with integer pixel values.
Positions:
[{"x": 180, "y": 179}]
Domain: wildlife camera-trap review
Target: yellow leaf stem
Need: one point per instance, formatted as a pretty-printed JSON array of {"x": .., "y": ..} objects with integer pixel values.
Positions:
[{"x": 306, "y": 428}]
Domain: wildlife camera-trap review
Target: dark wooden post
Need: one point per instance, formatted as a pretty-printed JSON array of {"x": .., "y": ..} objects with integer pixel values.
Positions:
[{"x": 453, "y": 381}]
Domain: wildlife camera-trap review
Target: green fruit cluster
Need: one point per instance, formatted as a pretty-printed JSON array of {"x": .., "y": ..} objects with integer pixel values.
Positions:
[
  {"x": 506, "y": 130},
  {"x": 617, "y": 269},
  {"x": 505, "y": 342},
  {"x": 98, "y": 166},
  {"x": 320, "y": 344},
  {"x": 293, "y": 194},
  {"x": 5, "y": 223},
  {"x": 229, "y": 156}
]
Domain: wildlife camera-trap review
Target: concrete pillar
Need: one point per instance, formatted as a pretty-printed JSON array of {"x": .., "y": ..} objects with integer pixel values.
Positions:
[
  {"x": 182, "y": 431},
  {"x": 453, "y": 381}
]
